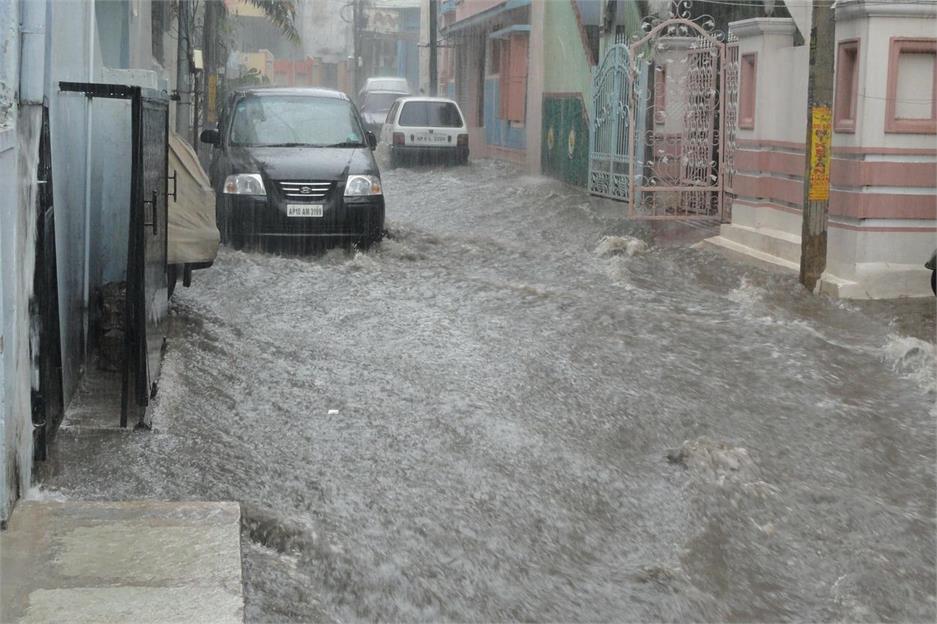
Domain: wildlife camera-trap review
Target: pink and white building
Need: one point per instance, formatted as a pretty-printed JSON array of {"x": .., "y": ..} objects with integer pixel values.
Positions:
[{"x": 883, "y": 198}]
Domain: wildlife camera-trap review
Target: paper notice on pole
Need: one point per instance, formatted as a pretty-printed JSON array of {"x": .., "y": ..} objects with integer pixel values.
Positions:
[{"x": 820, "y": 151}]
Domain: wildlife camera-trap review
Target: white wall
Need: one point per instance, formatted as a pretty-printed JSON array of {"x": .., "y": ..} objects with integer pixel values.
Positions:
[
  {"x": 19, "y": 133},
  {"x": 875, "y": 35},
  {"x": 781, "y": 79},
  {"x": 323, "y": 32}
]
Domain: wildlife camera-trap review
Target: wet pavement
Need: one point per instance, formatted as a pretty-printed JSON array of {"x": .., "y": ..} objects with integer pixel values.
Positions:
[{"x": 520, "y": 406}]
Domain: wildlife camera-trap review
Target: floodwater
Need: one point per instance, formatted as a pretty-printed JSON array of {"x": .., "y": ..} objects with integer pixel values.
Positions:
[{"x": 519, "y": 406}]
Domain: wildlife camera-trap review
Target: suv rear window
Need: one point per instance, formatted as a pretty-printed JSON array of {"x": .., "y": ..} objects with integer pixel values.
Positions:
[{"x": 430, "y": 114}]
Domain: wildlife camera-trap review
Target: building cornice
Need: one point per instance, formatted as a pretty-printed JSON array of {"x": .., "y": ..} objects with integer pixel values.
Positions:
[
  {"x": 863, "y": 9},
  {"x": 763, "y": 26}
]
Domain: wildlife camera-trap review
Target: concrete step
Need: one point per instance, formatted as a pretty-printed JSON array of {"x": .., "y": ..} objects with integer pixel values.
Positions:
[
  {"x": 108, "y": 562},
  {"x": 96, "y": 404},
  {"x": 747, "y": 254},
  {"x": 778, "y": 243}
]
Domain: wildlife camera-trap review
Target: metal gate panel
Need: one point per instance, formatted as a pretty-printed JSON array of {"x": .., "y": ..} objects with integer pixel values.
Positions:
[
  {"x": 147, "y": 296},
  {"x": 610, "y": 132},
  {"x": 700, "y": 139},
  {"x": 659, "y": 120},
  {"x": 730, "y": 124},
  {"x": 154, "y": 149},
  {"x": 47, "y": 397}
]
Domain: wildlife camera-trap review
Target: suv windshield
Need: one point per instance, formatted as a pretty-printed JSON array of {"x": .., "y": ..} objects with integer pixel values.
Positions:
[
  {"x": 294, "y": 120},
  {"x": 432, "y": 114},
  {"x": 379, "y": 102}
]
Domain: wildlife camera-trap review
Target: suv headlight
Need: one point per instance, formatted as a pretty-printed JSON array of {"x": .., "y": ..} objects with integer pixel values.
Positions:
[
  {"x": 363, "y": 185},
  {"x": 244, "y": 184}
]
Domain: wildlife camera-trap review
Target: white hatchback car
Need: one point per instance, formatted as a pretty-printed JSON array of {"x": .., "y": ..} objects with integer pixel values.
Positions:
[{"x": 425, "y": 129}]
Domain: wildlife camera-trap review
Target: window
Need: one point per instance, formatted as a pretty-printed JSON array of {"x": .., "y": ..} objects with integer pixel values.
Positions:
[
  {"x": 513, "y": 79},
  {"x": 392, "y": 113},
  {"x": 593, "y": 37},
  {"x": 379, "y": 102},
  {"x": 158, "y": 19},
  {"x": 747, "y": 91},
  {"x": 430, "y": 114},
  {"x": 911, "y": 96},
  {"x": 847, "y": 84}
]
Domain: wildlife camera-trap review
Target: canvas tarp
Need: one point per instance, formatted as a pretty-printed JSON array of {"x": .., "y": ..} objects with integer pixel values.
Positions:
[{"x": 193, "y": 235}]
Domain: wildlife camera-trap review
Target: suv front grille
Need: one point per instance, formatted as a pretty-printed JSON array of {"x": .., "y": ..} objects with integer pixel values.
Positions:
[{"x": 305, "y": 191}]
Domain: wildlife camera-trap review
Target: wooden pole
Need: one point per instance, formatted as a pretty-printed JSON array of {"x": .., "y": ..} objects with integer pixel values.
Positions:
[{"x": 818, "y": 144}]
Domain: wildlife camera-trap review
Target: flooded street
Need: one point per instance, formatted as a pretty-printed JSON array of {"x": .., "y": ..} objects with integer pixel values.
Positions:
[{"x": 519, "y": 406}]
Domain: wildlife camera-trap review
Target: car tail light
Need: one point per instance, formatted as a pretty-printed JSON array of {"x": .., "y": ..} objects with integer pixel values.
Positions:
[
  {"x": 398, "y": 138},
  {"x": 463, "y": 140}
]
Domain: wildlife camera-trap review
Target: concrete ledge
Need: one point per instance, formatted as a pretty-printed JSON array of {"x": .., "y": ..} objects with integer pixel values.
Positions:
[
  {"x": 769, "y": 241},
  {"x": 760, "y": 257},
  {"x": 108, "y": 562},
  {"x": 879, "y": 281}
]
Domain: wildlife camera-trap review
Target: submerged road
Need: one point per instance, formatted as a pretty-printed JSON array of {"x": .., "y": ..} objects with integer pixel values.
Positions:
[{"x": 521, "y": 407}]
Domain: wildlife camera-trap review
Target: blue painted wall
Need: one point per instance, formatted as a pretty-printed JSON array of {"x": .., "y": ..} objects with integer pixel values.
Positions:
[
  {"x": 68, "y": 60},
  {"x": 499, "y": 131},
  {"x": 12, "y": 394}
]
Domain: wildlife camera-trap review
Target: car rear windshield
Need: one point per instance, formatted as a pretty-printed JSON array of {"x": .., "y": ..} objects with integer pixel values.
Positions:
[
  {"x": 379, "y": 102},
  {"x": 288, "y": 120},
  {"x": 430, "y": 114}
]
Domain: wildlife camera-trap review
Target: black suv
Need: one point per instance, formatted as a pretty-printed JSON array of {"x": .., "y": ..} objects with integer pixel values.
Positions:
[{"x": 293, "y": 166}]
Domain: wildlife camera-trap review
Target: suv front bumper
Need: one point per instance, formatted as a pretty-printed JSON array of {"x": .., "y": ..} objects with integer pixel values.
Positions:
[{"x": 249, "y": 217}]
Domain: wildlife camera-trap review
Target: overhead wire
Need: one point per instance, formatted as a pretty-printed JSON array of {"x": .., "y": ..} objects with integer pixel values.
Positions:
[{"x": 805, "y": 3}]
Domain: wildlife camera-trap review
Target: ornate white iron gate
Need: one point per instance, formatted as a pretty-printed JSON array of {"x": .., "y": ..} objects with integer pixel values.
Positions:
[
  {"x": 610, "y": 132},
  {"x": 659, "y": 125}
]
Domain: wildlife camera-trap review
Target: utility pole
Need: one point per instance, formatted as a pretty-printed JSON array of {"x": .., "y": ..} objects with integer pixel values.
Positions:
[
  {"x": 210, "y": 23},
  {"x": 433, "y": 44},
  {"x": 356, "y": 46},
  {"x": 819, "y": 145},
  {"x": 183, "y": 88}
]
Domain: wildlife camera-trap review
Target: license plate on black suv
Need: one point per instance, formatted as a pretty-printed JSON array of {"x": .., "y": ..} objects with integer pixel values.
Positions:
[{"x": 304, "y": 210}]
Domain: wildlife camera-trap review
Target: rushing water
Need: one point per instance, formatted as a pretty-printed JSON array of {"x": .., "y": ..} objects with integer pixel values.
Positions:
[{"x": 521, "y": 407}]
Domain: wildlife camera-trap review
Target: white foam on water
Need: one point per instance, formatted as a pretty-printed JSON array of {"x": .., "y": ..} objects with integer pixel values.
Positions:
[
  {"x": 40, "y": 494},
  {"x": 914, "y": 359},
  {"x": 620, "y": 246},
  {"x": 746, "y": 293}
]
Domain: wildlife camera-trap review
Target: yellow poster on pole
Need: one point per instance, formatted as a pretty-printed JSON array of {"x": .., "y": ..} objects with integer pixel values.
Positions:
[
  {"x": 212, "y": 104},
  {"x": 821, "y": 140}
]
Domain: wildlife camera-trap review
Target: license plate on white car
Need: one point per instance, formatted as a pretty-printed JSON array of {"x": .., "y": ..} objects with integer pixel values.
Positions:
[
  {"x": 430, "y": 138},
  {"x": 304, "y": 210}
]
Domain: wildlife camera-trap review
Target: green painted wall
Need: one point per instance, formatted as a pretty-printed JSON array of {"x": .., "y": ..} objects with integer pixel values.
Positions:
[
  {"x": 564, "y": 151},
  {"x": 567, "y": 84},
  {"x": 567, "y": 89},
  {"x": 566, "y": 65}
]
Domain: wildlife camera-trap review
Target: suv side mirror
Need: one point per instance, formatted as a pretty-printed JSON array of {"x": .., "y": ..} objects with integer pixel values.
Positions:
[
  {"x": 210, "y": 136},
  {"x": 372, "y": 140}
]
